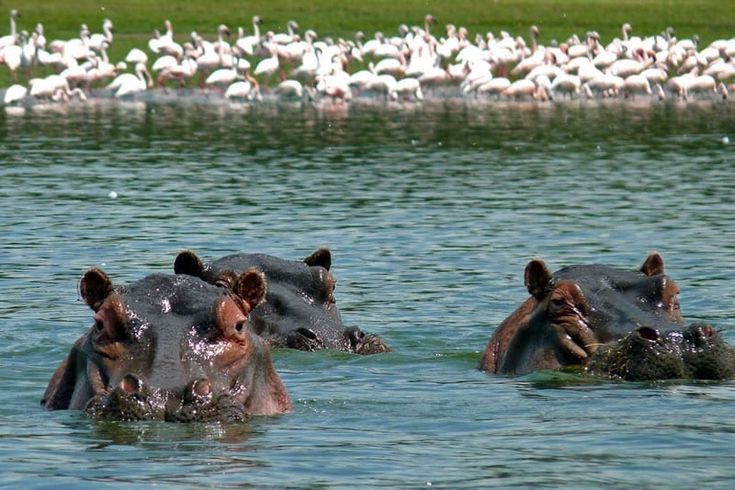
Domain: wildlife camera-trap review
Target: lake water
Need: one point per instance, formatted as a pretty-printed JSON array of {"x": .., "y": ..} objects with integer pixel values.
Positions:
[{"x": 432, "y": 211}]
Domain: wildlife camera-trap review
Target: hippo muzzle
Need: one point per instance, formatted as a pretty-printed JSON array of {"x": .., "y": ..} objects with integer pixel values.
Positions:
[
  {"x": 133, "y": 400},
  {"x": 694, "y": 352}
]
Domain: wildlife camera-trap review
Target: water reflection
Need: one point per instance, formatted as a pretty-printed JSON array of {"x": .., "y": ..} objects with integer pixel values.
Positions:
[{"x": 107, "y": 433}]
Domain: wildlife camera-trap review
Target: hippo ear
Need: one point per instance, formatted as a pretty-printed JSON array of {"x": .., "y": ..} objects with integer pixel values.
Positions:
[
  {"x": 321, "y": 257},
  {"x": 536, "y": 277},
  {"x": 188, "y": 263},
  {"x": 94, "y": 287},
  {"x": 251, "y": 286},
  {"x": 654, "y": 265}
]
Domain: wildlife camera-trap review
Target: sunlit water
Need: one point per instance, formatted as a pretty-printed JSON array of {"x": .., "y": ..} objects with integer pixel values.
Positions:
[{"x": 431, "y": 211}]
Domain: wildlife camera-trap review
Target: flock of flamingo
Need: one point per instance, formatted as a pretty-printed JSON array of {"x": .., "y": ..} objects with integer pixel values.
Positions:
[{"x": 295, "y": 66}]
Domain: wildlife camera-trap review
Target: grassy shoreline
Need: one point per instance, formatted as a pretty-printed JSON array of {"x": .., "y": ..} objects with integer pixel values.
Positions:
[{"x": 135, "y": 20}]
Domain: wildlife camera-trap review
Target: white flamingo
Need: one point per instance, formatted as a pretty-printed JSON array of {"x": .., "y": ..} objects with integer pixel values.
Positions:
[
  {"x": 96, "y": 40},
  {"x": 406, "y": 87},
  {"x": 129, "y": 84},
  {"x": 636, "y": 84},
  {"x": 246, "y": 45},
  {"x": 268, "y": 66},
  {"x": 12, "y": 38},
  {"x": 164, "y": 44},
  {"x": 15, "y": 94},
  {"x": 290, "y": 89}
]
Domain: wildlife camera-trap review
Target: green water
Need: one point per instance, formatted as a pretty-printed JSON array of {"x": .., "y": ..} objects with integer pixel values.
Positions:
[{"x": 431, "y": 212}]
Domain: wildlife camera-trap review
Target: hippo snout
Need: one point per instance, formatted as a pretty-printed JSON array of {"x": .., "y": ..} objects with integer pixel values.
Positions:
[
  {"x": 365, "y": 344},
  {"x": 132, "y": 400},
  {"x": 695, "y": 352}
]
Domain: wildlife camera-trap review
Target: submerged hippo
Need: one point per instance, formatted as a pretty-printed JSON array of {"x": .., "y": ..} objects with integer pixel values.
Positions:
[
  {"x": 633, "y": 315},
  {"x": 299, "y": 310},
  {"x": 169, "y": 348}
]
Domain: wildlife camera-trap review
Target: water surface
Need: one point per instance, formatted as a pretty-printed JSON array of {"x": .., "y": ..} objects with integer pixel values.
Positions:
[{"x": 431, "y": 211}]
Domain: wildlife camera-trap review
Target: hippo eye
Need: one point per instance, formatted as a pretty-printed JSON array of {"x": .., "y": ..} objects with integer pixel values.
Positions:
[
  {"x": 99, "y": 325},
  {"x": 558, "y": 302},
  {"x": 240, "y": 326}
]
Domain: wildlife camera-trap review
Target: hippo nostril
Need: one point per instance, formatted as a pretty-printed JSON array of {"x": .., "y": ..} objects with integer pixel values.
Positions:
[
  {"x": 306, "y": 332},
  {"x": 648, "y": 333},
  {"x": 202, "y": 388},
  {"x": 354, "y": 335},
  {"x": 131, "y": 384}
]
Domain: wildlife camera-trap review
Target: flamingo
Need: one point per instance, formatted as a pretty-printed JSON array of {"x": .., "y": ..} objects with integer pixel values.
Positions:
[
  {"x": 267, "y": 66},
  {"x": 605, "y": 84},
  {"x": 96, "y": 40},
  {"x": 655, "y": 75},
  {"x": 182, "y": 71},
  {"x": 248, "y": 88},
  {"x": 246, "y": 45},
  {"x": 12, "y": 38},
  {"x": 495, "y": 86},
  {"x": 406, "y": 87},
  {"x": 392, "y": 66},
  {"x": 566, "y": 84},
  {"x": 525, "y": 88},
  {"x": 164, "y": 62},
  {"x": 136, "y": 56},
  {"x": 285, "y": 38},
  {"x": 77, "y": 48},
  {"x": 165, "y": 44},
  {"x": 290, "y": 89},
  {"x": 12, "y": 56},
  {"x": 636, "y": 84},
  {"x": 129, "y": 84},
  {"x": 224, "y": 76},
  {"x": 14, "y": 94},
  {"x": 49, "y": 88},
  {"x": 335, "y": 86}
]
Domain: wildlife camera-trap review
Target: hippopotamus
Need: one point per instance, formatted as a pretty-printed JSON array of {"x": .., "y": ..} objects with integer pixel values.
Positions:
[
  {"x": 299, "y": 310},
  {"x": 171, "y": 348},
  {"x": 604, "y": 318},
  {"x": 695, "y": 352}
]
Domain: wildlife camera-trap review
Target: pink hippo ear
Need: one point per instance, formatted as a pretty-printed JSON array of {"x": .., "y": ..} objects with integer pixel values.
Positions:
[
  {"x": 188, "y": 263},
  {"x": 251, "y": 286},
  {"x": 95, "y": 287},
  {"x": 536, "y": 277},
  {"x": 321, "y": 257},
  {"x": 654, "y": 265}
]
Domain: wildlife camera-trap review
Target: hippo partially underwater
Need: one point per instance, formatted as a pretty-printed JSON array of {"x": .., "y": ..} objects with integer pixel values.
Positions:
[
  {"x": 171, "y": 348},
  {"x": 616, "y": 323},
  {"x": 299, "y": 310}
]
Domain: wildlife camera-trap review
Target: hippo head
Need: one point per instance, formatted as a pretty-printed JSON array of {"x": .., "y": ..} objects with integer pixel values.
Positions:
[
  {"x": 169, "y": 348},
  {"x": 577, "y": 309},
  {"x": 645, "y": 354},
  {"x": 299, "y": 310}
]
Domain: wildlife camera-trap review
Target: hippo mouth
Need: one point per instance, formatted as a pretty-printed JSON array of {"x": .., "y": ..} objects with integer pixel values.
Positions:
[
  {"x": 131, "y": 400},
  {"x": 696, "y": 352}
]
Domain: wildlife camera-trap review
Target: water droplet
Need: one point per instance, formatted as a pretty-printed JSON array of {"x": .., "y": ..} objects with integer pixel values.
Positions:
[
  {"x": 112, "y": 195},
  {"x": 725, "y": 140}
]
